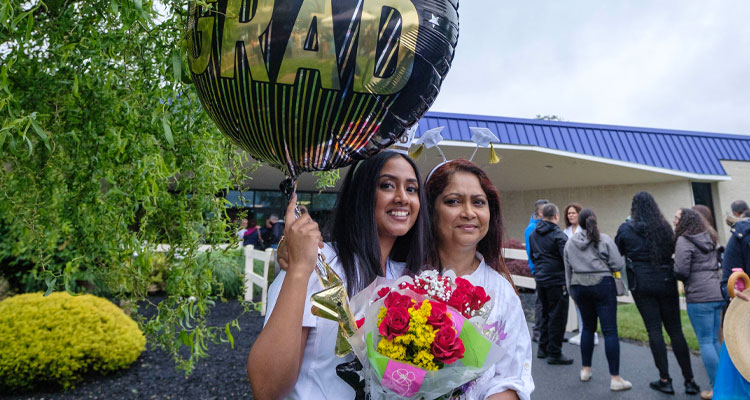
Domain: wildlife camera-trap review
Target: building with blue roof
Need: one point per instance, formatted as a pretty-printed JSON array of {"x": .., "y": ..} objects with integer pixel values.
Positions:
[{"x": 599, "y": 166}]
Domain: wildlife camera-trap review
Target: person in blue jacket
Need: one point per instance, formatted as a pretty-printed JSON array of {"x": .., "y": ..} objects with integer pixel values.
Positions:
[{"x": 533, "y": 219}]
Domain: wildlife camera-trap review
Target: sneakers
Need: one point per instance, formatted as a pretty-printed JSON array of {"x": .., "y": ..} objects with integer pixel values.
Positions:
[
  {"x": 691, "y": 387},
  {"x": 586, "y": 375},
  {"x": 663, "y": 386},
  {"x": 576, "y": 340},
  {"x": 707, "y": 394},
  {"x": 541, "y": 354},
  {"x": 617, "y": 385},
  {"x": 559, "y": 360}
]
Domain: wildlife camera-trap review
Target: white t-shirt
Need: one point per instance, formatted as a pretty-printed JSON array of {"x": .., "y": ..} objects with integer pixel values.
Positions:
[
  {"x": 317, "y": 378},
  {"x": 507, "y": 318},
  {"x": 241, "y": 233}
]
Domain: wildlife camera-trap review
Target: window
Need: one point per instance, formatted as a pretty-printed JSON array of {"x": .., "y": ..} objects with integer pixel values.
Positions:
[
  {"x": 702, "y": 195},
  {"x": 240, "y": 199}
]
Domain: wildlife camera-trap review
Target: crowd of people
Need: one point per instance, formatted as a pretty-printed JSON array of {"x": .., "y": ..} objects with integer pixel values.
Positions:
[
  {"x": 587, "y": 265},
  {"x": 389, "y": 223},
  {"x": 261, "y": 238}
]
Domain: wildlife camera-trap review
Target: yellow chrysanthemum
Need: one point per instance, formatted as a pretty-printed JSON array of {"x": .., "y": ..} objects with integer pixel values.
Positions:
[
  {"x": 422, "y": 332},
  {"x": 391, "y": 349},
  {"x": 381, "y": 315},
  {"x": 424, "y": 359}
]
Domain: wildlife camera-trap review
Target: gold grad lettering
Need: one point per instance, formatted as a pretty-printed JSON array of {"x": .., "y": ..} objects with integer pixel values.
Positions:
[
  {"x": 324, "y": 59},
  {"x": 365, "y": 80},
  {"x": 205, "y": 29},
  {"x": 247, "y": 32}
]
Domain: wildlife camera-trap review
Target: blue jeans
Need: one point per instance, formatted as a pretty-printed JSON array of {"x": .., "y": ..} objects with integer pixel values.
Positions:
[
  {"x": 599, "y": 301},
  {"x": 706, "y": 320}
]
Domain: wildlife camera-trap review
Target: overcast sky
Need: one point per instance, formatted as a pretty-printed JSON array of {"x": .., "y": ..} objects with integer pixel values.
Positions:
[{"x": 661, "y": 64}]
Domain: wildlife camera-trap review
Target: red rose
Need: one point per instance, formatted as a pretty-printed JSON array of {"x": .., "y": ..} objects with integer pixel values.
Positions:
[
  {"x": 447, "y": 347},
  {"x": 397, "y": 300},
  {"x": 479, "y": 297},
  {"x": 462, "y": 283},
  {"x": 383, "y": 292},
  {"x": 395, "y": 323},
  {"x": 439, "y": 316},
  {"x": 360, "y": 322},
  {"x": 459, "y": 300}
]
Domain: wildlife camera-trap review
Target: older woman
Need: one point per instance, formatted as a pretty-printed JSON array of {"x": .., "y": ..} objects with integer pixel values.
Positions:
[{"x": 468, "y": 227}]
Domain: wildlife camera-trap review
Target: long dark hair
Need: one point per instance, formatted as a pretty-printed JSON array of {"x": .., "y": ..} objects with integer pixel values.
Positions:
[
  {"x": 692, "y": 223},
  {"x": 706, "y": 213},
  {"x": 648, "y": 219},
  {"x": 354, "y": 232},
  {"x": 587, "y": 221},
  {"x": 575, "y": 206},
  {"x": 491, "y": 245}
]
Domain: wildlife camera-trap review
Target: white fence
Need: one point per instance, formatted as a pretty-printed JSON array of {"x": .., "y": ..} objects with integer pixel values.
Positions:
[{"x": 266, "y": 257}]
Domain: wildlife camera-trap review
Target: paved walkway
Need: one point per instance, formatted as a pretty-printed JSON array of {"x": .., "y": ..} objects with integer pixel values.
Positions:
[{"x": 562, "y": 382}]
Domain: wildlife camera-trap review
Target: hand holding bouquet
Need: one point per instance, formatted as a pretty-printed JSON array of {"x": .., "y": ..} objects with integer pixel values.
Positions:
[{"x": 421, "y": 337}]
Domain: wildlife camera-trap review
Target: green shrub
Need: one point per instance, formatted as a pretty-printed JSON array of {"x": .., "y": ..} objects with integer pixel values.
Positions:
[
  {"x": 228, "y": 269},
  {"x": 160, "y": 265},
  {"x": 55, "y": 340}
]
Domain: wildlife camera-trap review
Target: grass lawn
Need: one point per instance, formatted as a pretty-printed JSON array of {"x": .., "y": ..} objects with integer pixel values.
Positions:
[{"x": 630, "y": 326}]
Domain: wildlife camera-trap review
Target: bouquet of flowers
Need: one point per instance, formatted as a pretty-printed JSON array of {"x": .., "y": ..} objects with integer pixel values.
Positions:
[{"x": 421, "y": 337}]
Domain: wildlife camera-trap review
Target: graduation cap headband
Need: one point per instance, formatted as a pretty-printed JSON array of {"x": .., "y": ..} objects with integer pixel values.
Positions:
[
  {"x": 483, "y": 137},
  {"x": 401, "y": 145}
]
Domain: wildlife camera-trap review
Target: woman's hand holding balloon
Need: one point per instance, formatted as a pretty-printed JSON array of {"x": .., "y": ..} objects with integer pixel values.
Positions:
[{"x": 299, "y": 251}]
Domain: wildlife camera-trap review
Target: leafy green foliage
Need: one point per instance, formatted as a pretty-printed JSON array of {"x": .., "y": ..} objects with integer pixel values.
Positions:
[
  {"x": 228, "y": 268},
  {"x": 105, "y": 149},
  {"x": 58, "y": 339},
  {"x": 326, "y": 179}
]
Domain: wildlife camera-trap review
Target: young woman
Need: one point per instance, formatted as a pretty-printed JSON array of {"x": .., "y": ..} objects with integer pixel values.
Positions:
[
  {"x": 571, "y": 227},
  {"x": 648, "y": 240},
  {"x": 468, "y": 228},
  {"x": 590, "y": 259},
  {"x": 571, "y": 218},
  {"x": 695, "y": 263},
  {"x": 378, "y": 230}
]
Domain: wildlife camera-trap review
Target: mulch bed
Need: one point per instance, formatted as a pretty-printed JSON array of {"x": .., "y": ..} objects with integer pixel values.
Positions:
[{"x": 154, "y": 376}]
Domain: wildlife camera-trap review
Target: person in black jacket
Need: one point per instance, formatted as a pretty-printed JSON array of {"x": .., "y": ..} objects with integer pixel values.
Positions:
[
  {"x": 648, "y": 241},
  {"x": 547, "y": 246},
  {"x": 737, "y": 251}
]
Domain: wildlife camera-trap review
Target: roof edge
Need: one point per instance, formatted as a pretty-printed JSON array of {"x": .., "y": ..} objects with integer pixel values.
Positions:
[
  {"x": 512, "y": 120},
  {"x": 627, "y": 164}
]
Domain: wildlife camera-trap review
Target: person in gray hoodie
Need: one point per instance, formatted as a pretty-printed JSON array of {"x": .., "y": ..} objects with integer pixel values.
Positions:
[
  {"x": 696, "y": 264},
  {"x": 590, "y": 259}
]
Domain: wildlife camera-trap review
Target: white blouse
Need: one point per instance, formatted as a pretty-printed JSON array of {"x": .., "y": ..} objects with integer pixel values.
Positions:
[
  {"x": 569, "y": 232},
  {"x": 512, "y": 332},
  {"x": 317, "y": 378}
]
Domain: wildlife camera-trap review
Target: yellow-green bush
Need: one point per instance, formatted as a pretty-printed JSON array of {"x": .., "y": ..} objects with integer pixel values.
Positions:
[{"x": 57, "y": 339}]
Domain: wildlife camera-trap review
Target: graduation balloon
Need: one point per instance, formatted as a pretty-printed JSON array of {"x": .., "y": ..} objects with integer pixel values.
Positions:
[{"x": 309, "y": 85}]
